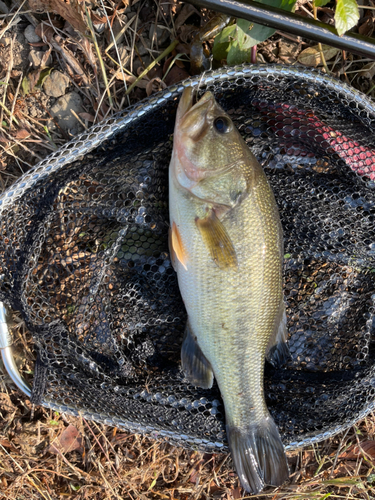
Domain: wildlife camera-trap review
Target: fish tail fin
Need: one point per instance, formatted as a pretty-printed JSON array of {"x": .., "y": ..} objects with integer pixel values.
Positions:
[{"x": 258, "y": 455}]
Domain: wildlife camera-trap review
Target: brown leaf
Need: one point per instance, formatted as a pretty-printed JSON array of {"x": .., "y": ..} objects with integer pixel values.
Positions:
[
  {"x": 33, "y": 78},
  {"x": 96, "y": 19},
  {"x": 87, "y": 116},
  {"x": 186, "y": 11},
  {"x": 15, "y": 73},
  {"x": 155, "y": 85},
  {"x": 131, "y": 79},
  {"x": 69, "y": 440},
  {"x": 236, "y": 493},
  {"x": 367, "y": 27},
  {"x": 367, "y": 447},
  {"x": 311, "y": 56},
  {"x": 37, "y": 5},
  {"x": 46, "y": 32},
  {"x": 175, "y": 75},
  {"x": 22, "y": 133},
  {"x": 70, "y": 10}
]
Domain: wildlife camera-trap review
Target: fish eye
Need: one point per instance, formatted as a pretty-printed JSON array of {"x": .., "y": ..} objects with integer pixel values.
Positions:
[{"x": 222, "y": 125}]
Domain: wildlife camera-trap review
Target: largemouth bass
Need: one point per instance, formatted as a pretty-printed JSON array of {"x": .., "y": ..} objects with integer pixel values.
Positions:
[{"x": 226, "y": 245}]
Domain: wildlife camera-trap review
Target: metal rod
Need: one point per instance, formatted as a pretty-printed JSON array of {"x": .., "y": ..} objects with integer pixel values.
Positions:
[
  {"x": 292, "y": 23},
  {"x": 7, "y": 354}
]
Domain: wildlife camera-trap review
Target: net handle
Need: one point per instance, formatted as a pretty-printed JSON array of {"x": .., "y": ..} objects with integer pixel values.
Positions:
[{"x": 7, "y": 354}]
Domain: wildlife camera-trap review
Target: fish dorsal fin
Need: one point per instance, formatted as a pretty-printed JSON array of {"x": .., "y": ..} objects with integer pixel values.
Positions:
[
  {"x": 176, "y": 247},
  {"x": 217, "y": 241}
]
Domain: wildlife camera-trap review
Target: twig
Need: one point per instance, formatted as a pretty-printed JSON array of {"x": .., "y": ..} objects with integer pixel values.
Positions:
[
  {"x": 338, "y": 453},
  {"x": 22, "y": 145},
  {"x": 14, "y": 101},
  {"x": 72, "y": 63},
  {"x": 6, "y": 82},
  {"x": 319, "y": 44},
  {"x": 10, "y": 23},
  {"x": 78, "y": 118},
  {"x": 8, "y": 112},
  {"x": 116, "y": 47},
  {"x": 101, "y": 62},
  {"x": 154, "y": 63},
  {"x": 10, "y": 152}
]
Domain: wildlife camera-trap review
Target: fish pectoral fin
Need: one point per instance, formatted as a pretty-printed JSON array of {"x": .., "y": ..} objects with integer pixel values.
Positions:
[
  {"x": 194, "y": 363},
  {"x": 277, "y": 351},
  {"x": 217, "y": 241},
  {"x": 176, "y": 247},
  {"x": 258, "y": 454}
]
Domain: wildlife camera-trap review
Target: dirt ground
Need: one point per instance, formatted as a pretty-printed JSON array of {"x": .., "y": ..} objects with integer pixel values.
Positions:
[{"x": 60, "y": 73}]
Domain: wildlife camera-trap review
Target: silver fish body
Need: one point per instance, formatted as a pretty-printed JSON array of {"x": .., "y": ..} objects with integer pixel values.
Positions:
[{"x": 233, "y": 298}]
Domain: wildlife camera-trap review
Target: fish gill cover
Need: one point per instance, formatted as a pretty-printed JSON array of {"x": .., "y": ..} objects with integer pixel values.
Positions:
[{"x": 84, "y": 258}]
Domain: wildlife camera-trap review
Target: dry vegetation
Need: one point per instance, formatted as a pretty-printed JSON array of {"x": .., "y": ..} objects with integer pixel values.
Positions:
[{"x": 111, "y": 54}]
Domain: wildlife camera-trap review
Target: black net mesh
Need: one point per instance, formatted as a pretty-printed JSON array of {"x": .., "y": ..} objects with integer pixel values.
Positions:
[{"x": 84, "y": 257}]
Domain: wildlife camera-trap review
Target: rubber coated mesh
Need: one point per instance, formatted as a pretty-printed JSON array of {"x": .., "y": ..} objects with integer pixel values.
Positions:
[{"x": 84, "y": 257}]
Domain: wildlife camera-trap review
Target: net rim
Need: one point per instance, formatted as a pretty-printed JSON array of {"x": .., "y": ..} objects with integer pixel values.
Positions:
[{"x": 89, "y": 140}]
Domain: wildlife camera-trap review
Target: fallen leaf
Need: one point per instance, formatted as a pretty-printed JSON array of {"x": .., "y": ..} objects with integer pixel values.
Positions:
[
  {"x": 46, "y": 32},
  {"x": 367, "y": 447},
  {"x": 69, "y": 440},
  {"x": 175, "y": 75},
  {"x": 236, "y": 493},
  {"x": 311, "y": 56},
  {"x": 97, "y": 20},
  {"x": 37, "y": 5},
  {"x": 155, "y": 85},
  {"x": 30, "y": 80},
  {"x": 22, "y": 133},
  {"x": 70, "y": 10},
  {"x": 87, "y": 116},
  {"x": 184, "y": 14},
  {"x": 367, "y": 27},
  {"x": 131, "y": 79}
]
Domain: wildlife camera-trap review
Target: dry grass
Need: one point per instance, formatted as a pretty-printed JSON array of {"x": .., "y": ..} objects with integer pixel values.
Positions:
[{"x": 44, "y": 455}]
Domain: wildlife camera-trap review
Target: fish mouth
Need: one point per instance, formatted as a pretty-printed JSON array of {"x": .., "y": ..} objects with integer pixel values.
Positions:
[{"x": 188, "y": 112}]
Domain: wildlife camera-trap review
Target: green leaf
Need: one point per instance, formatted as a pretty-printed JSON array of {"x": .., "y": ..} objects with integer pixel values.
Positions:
[
  {"x": 321, "y": 3},
  {"x": 234, "y": 43},
  {"x": 222, "y": 42},
  {"x": 4, "y": 124},
  {"x": 312, "y": 56},
  {"x": 43, "y": 75},
  {"x": 346, "y": 16},
  {"x": 25, "y": 85}
]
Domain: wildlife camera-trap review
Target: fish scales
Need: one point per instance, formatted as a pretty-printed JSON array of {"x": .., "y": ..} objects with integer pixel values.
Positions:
[
  {"x": 233, "y": 308},
  {"x": 231, "y": 288}
]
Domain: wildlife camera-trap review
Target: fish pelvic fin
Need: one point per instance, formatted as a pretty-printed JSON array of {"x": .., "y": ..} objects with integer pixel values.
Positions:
[
  {"x": 194, "y": 363},
  {"x": 176, "y": 247},
  {"x": 217, "y": 241},
  {"x": 277, "y": 351},
  {"x": 258, "y": 455}
]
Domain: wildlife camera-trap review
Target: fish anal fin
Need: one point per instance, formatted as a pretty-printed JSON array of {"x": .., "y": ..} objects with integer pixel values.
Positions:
[
  {"x": 217, "y": 241},
  {"x": 176, "y": 247},
  {"x": 194, "y": 363},
  {"x": 258, "y": 455},
  {"x": 277, "y": 351}
]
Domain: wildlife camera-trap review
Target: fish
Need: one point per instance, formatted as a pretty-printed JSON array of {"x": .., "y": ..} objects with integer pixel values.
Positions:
[{"x": 226, "y": 246}]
